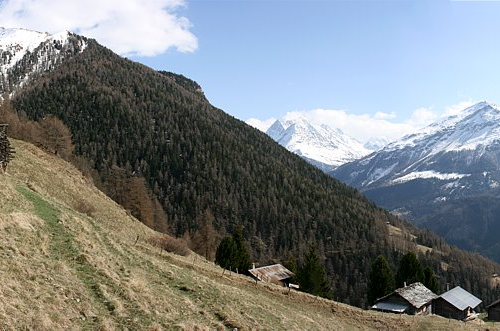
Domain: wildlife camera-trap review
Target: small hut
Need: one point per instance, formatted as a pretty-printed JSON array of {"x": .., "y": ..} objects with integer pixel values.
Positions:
[
  {"x": 494, "y": 311},
  {"x": 275, "y": 273},
  {"x": 457, "y": 303},
  {"x": 414, "y": 299}
]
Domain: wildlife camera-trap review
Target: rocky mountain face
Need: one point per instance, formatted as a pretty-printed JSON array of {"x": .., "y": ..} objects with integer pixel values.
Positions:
[
  {"x": 24, "y": 54},
  {"x": 322, "y": 146},
  {"x": 445, "y": 178}
]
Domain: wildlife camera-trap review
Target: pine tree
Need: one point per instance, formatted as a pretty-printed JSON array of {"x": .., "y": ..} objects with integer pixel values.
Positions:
[
  {"x": 244, "y": 260},
  {"x": 312, "y": 275},
  {"x": 226, "y": 255},
  {"x": 410, "y": 270},
  {"x": 381, "y": 281},
  {"x": 430, "y": 280}
]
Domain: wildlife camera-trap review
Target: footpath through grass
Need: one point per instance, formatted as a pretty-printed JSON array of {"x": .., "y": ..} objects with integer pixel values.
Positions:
[{"x": 63, "y": 247}]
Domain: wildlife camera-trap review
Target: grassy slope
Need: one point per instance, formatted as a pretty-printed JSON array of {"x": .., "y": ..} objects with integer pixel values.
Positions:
[{"x": 62, "y": 269}]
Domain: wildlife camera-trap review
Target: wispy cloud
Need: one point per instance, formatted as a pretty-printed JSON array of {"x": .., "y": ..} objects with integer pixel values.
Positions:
[
  {"x": 128, "y": 27},
  {"x": 365, "y": 127},
  {"x": 261, "y": 125}
]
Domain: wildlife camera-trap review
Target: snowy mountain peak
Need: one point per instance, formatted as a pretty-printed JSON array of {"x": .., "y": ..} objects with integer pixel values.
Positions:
[
  {"x": 472, "y": 134},
  {"x": 24, "y": 53},
  {"x": 321, "y": 145}
]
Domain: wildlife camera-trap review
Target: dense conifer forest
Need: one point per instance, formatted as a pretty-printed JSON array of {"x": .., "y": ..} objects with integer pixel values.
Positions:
[{"x": 153, "y": 143}]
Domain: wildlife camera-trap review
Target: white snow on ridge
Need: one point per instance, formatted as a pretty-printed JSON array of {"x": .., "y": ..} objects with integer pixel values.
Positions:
[
  {"x": 18, "y": 42},
  {"x": 457, "y": 132},
  {"x": 428, "y": 174},
  {"x": 320, "y": 143}
]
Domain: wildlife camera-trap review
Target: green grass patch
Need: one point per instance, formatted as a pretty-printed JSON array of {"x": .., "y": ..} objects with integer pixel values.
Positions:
[{"x": 63, "y": 246}]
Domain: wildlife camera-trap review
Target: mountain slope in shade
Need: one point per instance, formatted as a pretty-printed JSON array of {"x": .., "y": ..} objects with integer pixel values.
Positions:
[
  {"x": 322, "y": 146},
  {"x": 453, "y": 163},
  {"x": 25, "y": 53}
]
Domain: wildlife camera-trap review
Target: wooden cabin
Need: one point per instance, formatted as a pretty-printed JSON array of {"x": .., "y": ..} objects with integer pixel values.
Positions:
[
  {"x": 414, "y": 299},
  {"x": 494, "y": 311},
  {"x": 457, "y": 303},
  {"x": 275, "y": 273}
]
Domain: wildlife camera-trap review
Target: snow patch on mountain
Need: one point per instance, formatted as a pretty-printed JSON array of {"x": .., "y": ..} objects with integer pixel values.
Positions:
[
  {"x": 475, "y": 126},
  {"x": 24, "y": 53},
  {"x": 428, "y": 174},
  {"x": 321, "y": 144}
]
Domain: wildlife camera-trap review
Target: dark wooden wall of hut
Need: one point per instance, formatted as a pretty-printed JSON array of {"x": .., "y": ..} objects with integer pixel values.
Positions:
[{"x": 444, "y": 308}]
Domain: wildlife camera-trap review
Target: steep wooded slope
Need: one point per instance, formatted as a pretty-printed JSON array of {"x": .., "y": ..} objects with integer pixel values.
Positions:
[
  {"x": 195, "y": 157},
  {"x": 63, "y": 269}
]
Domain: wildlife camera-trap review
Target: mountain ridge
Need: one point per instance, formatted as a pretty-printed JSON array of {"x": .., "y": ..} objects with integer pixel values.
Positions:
[
  {"x": 321, "y": 145},
  {"x": 25, "y": 54},
  {"x": 449, "y": 162}
]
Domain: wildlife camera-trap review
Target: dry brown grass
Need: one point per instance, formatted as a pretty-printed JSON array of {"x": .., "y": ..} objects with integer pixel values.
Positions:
[{"x": 68, "y": 264}]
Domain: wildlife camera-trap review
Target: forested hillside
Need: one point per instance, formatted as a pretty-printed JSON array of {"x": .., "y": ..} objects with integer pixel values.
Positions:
[{"x": 144, "y": 132}]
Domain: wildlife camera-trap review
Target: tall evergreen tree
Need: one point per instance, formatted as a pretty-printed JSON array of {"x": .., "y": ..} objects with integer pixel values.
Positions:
[
  {"x": 232, "y": 252},
  {"x": 430, "y": 280},
  {"x": 312, "y": 275},
  {"x": 227, "y": 254},
  {"x": 244, "y": 259},
  {"x": 381, "y": 281},
  {"x": 410, "y": 270}
]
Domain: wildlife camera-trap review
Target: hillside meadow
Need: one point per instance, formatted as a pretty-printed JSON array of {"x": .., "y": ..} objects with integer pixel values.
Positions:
[{"x": 71, "y": 259}]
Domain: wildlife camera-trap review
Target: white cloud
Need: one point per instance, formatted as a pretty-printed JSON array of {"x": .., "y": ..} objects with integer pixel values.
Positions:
[
  {"x": 384, "y": 116},
  {"x": 363, "y": 127},
  {"x": 366, "y": 127},
  {"x": 128, "y": 27},
  {"x": 261, "y": 125},
  {"x": 458, "y": 108},
  {"x": 422, "y": 116}
]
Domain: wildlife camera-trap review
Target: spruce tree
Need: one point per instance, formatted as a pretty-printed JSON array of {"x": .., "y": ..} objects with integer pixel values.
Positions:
[
  {"x": 430, "y": 280},
  {"x": 226, "y": 255},
  {"x": 410, "y": 270},
  {"x": 381, "y": 279},
  {"x": 312, "y": 276},
  {"x": 244, "y": 260}
]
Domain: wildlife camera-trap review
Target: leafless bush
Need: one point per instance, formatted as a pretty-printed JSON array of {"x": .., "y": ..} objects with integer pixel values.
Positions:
[
  {"x": 84, "y": 207},
  {"x": 170, "y": 244}
]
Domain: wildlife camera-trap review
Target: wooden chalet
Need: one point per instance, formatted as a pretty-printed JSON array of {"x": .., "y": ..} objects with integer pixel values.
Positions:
[
  {"x": 275, "y": 273},
  {"x": 494, "y": 311},
  {"x": 414, "y": 299},
  {"x": 457, "y": 303}
]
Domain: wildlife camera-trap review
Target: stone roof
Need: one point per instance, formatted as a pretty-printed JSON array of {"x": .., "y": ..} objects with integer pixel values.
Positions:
[{"x": 416, "y": 294}]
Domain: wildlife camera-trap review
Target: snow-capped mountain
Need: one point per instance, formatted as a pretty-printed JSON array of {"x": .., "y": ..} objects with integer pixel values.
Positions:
[
  {"x": 435, "y": 176},
  {"x": 437, "y": 149},
  {"x": 376, "y": 144},
  {"x": 323, "y": 146},
  {"x": 25, "y": 53}
]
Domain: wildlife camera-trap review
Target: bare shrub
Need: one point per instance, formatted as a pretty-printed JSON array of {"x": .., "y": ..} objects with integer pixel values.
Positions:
[
  {"x": 170, "y": 244},
  {"x": 85, "y": 207}
]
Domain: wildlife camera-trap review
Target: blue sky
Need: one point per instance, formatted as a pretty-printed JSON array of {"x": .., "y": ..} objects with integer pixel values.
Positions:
[
  {"x": 369, "y": 67},
  {"x": 261, "y": 59}
]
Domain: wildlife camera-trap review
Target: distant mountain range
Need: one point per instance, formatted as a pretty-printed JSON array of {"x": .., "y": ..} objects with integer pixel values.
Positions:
[
  {"x": 321, "y": 145},
  {"x": 445, "y": 177}
]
